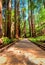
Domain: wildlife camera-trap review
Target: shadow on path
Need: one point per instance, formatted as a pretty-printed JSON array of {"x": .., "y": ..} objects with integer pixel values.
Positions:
[
  {"x": 24, "y": 52},
  {"x": 17, "y": 60}
]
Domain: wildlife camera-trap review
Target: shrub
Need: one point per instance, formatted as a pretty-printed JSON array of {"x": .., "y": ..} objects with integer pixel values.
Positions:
[
  {"x": 6, "y": 40},
  {"x": 38, "y": 39}
]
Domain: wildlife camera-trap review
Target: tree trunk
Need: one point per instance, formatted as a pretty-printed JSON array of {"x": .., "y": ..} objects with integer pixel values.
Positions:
[
  {"x": 25, "y": 29},
  {"x": 33, "y": 34},
  {"x": 5, "y": 19},
  {"x": 17, "y": 31},
  {"x": 32, "y": 24},
  {"x": 44, "y": 4},
  {"x": 29, "y": 19},
  {"x": 0, "y": 18},
  {"x": 9, "y": 20},
  {"x": 17, "y": 21}
]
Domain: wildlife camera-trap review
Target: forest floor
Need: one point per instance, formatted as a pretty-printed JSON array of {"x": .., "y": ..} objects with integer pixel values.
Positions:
[{"x": 23, "y": 52}]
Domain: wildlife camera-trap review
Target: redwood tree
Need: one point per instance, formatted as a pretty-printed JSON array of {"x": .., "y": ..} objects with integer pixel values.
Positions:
[
  {"x": 32, "y": 25},
  {"x": 9, "y": 19},
  {"x": 17, "y": 20},
  {"x": 0, "y": 18},
  {"x": 24, "y": 17}
]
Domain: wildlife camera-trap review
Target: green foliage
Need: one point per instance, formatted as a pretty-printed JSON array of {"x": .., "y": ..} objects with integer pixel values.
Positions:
[
  {"x": 39, "y": 1},
  {"x": 32, "y": 6},
  {"x": 40, "y": 17},
  {"x": 23, "y": 9},
  {"x": 38, "y": 39},
  {"x": 40, "y": 21},
  {"x": 42, "y": 14},
  {"x": 40, "y": 28},
  {"x": 12, "y": 15},
  {"x": 6, "y": 40}
]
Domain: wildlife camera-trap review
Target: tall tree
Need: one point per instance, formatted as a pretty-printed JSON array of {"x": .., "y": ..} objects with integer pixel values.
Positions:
[
  {"x": 0, "y": 18},
  {"x": 24, "y": 17},
  {"x": 29, "y": 18},
  {"x": 31, "y": 8},
  {"x": 17, "y": 19},
  {"x": 4, "y": 17},
  {"x": 9, "y": 19}
]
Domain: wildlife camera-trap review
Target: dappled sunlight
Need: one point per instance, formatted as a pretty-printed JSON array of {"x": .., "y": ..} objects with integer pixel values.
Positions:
[
  {"x": 37, "y": 53},
  {"x": 31, "y": 57},
  {"x": 3, "y": 59}
]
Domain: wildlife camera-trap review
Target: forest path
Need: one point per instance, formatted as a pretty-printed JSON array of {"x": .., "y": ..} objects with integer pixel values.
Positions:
[{"x": 23, "y": 52}]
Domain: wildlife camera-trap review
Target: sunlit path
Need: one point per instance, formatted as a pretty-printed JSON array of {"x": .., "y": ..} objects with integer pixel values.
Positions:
[{"x": 23, "y": 52}]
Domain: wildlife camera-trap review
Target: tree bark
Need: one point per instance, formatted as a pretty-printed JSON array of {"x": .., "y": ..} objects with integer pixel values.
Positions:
[
  {"x": 0, "y": 18},
  {"x": 9, "y": 20},
  {"x": 32, "y": 24},
  {"x": 29, "y": 19},
  {"x": 17, "y": 20},
  {"x": 25, "y": 29}
]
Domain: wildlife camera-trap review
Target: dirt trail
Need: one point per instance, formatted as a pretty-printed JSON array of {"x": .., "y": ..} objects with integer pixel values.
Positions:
[{"x": 23, "y": 52}]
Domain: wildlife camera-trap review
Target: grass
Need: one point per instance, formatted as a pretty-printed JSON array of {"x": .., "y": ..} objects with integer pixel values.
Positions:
[{"x": 39, "y": 40}]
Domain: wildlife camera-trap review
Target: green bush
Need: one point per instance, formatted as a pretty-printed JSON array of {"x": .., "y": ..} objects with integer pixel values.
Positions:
[
  {"x": 6, "y": 40},
  {"x": 38, "y": 39}
]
